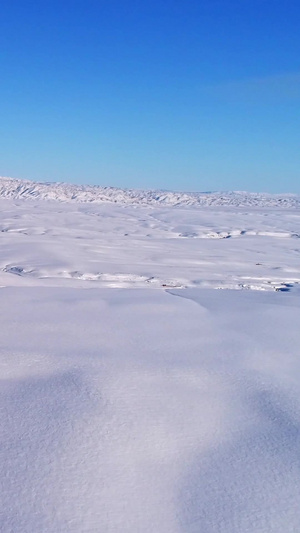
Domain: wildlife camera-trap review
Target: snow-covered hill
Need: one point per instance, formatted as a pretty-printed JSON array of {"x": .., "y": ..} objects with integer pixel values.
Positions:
[{"x": 65, "y": 192}]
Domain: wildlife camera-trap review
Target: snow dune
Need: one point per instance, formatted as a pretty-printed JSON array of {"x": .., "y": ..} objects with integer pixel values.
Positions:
[{"x": 137, "y": 398}]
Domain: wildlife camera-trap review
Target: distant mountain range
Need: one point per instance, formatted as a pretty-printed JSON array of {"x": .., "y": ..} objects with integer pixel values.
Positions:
[{"x": 66, "y": 192}]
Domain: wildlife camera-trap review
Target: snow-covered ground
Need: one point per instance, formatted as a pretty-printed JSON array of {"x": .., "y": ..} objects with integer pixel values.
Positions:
[{"x": 135, "y": 397}]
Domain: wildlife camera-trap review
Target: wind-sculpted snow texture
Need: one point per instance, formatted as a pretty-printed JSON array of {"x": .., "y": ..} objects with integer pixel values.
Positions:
[
  {"x": 66, "y": 192},
  {"x": 136, "y": 396}
]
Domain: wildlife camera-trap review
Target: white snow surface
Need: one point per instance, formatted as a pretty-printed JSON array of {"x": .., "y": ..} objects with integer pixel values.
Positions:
[{"x": 135, "y": 397}]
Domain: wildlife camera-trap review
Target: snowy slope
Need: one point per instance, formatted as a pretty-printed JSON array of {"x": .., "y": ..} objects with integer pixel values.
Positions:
[
  {"x": 137, "y": 411},
  {"x": 65, "y": 192}
]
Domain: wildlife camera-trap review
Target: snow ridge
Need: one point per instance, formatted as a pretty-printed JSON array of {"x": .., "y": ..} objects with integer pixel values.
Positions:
[{"x": 66, "y": 192}]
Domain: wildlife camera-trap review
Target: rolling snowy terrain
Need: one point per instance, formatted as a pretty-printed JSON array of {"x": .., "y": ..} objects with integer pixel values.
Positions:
[
  {"x": 66, "y": 192},
  {"x": 137, "y": 398}
]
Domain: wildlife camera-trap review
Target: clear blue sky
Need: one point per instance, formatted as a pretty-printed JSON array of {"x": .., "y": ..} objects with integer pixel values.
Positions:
[{"x": 187, "y": 95}]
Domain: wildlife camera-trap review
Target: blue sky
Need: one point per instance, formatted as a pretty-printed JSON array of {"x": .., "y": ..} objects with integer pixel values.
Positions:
[{"x": 185, "y": 95}]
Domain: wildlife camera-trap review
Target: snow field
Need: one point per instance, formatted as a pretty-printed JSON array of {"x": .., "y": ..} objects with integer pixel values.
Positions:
[
  {"x": 135, "y": 397},
  {"x": 53, "y": 244}
]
